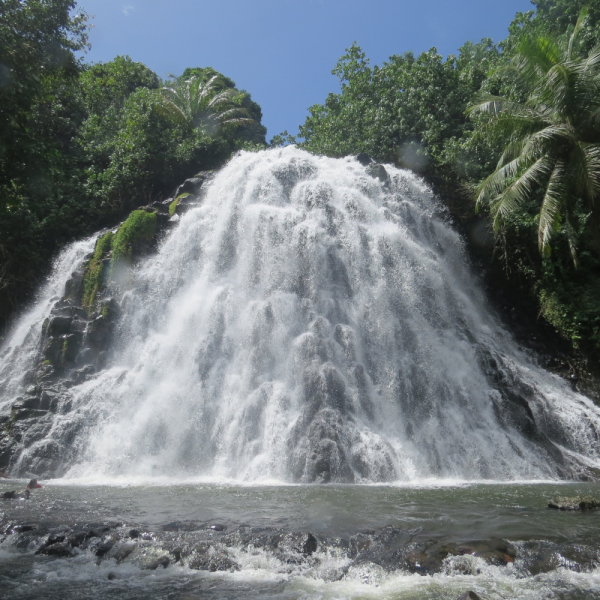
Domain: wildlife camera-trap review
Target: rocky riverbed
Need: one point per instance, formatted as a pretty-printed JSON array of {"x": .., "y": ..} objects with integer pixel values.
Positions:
[{"x": 192, "y": 540}]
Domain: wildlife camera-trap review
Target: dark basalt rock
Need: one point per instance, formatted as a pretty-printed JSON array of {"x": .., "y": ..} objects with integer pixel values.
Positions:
[
  {"x": 469, "y": 596},
  {"x": 364, "y": 159},
  {"x": 104, "y": 548},
  {"x": 123, "y": 551},
  {"x": 391, "y": 549},
  {"x": 378, "y": 171},
  {"x": 310, "y": 545},
  {"x": 193, "y": 185},
  {"x": 59, "y": 550},
  {"x": 59, "y": 325},
  {"x": 78, "y": 538},
  {"x": 74, "y": 286},
  {"x": 50, "y": 541}
]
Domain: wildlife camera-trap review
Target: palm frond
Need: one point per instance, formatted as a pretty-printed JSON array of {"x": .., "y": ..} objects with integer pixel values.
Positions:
[
  {"x": 552, "y": 207},
  {"x": 520, "y": 190},
  {"x": 589, "y": 170},
  {"x": 557, "y": 87},
  {"x": 583, "y": 14},
  {"x": 534, "y": 58},
  {"x": 497, "y": 182},
  {"x": 512, "y": 150},
  {"x": 571, "y": 239},
  {"x": 223, "y": 97},
  {"x": 170, "y": 110},
  {"x": 549, "y": 138},
  {"x": 234, "y": 113},
  {"x": 497, "y": 105}
]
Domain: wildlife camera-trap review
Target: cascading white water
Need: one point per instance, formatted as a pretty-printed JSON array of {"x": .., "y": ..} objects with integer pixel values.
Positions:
[
  {"x": 310, "y": 323},
  {"x": 21, "y": 346}
]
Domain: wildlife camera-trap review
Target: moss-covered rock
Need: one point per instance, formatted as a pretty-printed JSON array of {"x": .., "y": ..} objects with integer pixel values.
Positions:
[
  {"x": 94, "y": 276},
  {"x": 140, "y": 226},
  {"x": 173, "y": 205}
]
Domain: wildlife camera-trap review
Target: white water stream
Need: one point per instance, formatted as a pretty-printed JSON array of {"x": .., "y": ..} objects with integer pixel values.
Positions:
[{"x": 22, "y": 345}]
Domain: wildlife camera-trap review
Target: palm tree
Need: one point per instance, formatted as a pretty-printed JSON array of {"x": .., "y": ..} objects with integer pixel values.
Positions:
[
  {"x": 553, "y": 136},
  {"x": 199, "y": 104}
]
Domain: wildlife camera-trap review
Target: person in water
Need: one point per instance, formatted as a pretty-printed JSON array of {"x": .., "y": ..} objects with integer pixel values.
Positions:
[{"x": 14, "y": 496}]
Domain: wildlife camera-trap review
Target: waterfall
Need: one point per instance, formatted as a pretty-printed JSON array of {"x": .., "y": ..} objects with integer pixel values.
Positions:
[
  {"x": 308, "y": 322},
  {"x": 21, "y": 346}
]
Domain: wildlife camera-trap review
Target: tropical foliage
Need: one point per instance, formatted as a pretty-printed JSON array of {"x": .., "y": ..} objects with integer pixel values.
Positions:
[
  {"x": 553, "y": 136},
  {"x": 200, "y": 105}
]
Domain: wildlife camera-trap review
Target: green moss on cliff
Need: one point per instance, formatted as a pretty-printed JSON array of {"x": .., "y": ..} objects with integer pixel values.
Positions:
[
  {"x": 173, "y": 205},
  {"x": 140, "y": 225},
  {"x": 93, "y": 278}
]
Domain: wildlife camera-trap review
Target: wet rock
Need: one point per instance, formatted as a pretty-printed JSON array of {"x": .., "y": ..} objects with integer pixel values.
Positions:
[
  {"x": 469, "y": 596},
  {"x": 58, "y": 326},
  {"x": 123, "y": 551},
  {"x": 161, "y": 207},
  {"x": 134, "y": 533},
  {"x": 78, "y": 326},
  {"x": 211, "y": 558},
  {"x": 217, "y": 527},
  {"x": 104, "y": 548},
  {"x": 163, "y": 561},
  {"x": 81, "y": 375},
  {"x": 23, "y": 528},
  {"x": 588, "y": 503},
  {"x": 98, "y": 531},
  {"x": 310, "y": 545},
  {"x": 99, "y": 332},
  {"x": 74, "y": 285},
  {"x": 78, "y": 538},
  {"x": 193, "y": 185},
  {"x": 574, "y": 503},
  {"x": 378, "y": 171},
  {"x": 59, "y": 550},
  {"x": 163, "y": 220},
  {"x": 364, "y": 159},
  {"x": 52, "y": 539},
  {"x": 18, "y": 413},
  {"x": 177, "y": 552},
  {"x": 53, "y": 352}
]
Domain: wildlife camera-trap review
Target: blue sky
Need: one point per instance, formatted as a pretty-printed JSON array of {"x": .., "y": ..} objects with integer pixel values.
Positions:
[{"x": 282, "y": 51}]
